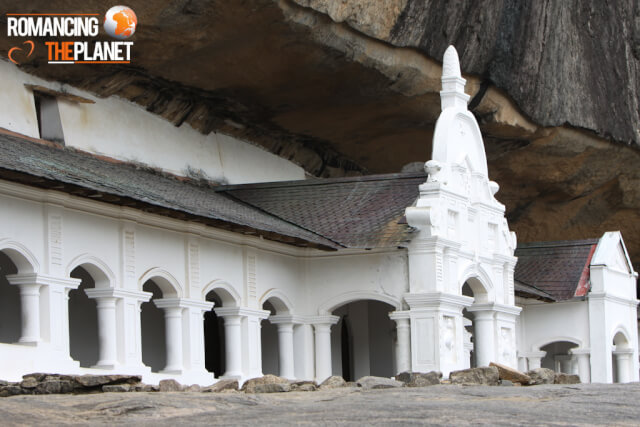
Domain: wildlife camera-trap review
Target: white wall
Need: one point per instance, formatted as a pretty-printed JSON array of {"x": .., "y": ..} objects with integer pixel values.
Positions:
[{"x": 120, "y": 129}]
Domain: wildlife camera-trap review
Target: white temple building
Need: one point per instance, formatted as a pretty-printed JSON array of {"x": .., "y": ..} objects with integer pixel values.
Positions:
[{"x": 114, "y": 260}]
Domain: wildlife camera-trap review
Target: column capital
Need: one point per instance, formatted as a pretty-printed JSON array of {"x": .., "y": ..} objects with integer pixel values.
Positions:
[
  {"x": 326, "y": 320},
  {"x": 41, "y": 279},
  {"x": 531, "y": 354},
  {"x": 580, "y": 351},
  {"x": 495, "y": 308},
  {"x": 242, "y": 311},
  {"x": 437, "y": 300},
  {"x": 399, "y": 316},
  {"x": 623, "y": 352},
  {"x": 183, "y": 303},
  {"x": 282, "y": 319}
]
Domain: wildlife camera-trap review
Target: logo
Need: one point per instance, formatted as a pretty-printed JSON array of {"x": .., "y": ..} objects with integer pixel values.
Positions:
[
  {"x": 119, "y": 22},
  {"x": 14, "y": 51}
]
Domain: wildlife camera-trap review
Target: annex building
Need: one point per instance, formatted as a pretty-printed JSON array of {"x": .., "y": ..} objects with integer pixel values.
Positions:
[{"x": 115, "y": 258}]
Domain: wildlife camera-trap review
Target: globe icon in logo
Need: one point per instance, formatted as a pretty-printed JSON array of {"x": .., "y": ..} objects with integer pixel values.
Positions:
[{"x": 120, "y": 22}]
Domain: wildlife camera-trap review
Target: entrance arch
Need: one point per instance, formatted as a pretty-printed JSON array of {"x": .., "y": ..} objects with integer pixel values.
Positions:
[
  {"x": 215, "y": 337},
  {"x": 478, "y": 324},
  {"x": 10, "y": 302},
  {"x": 363, "y": 340},
  {"x": 559, "y": 357},
  {"x": 84, "y": 330},
  {"x": 621, "y": 357}
]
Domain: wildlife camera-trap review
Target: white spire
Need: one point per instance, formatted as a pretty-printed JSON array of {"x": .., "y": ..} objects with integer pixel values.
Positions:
[
  {"x": 452, "y": 94},
  {"x": 451, "y": 63}
]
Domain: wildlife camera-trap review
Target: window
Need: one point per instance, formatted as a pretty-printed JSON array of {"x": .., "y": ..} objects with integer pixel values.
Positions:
[{"x": 49, "y": 124}]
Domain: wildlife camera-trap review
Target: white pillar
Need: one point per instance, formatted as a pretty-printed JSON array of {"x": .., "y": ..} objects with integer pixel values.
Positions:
[
  {"x": 30, "y": 304},
  {"x": 107, "y": 327},
  {"x": 483, "y": 333},
  {"x": 285, "y": 350},
  {"x": 233, "y": 341},
  {"x": 403, "y": 347},
  {"x": 584, "y": 365},
  {"x": 129, "y": 329},
  {"x": 304, "y": 356},
  {"x": 534, "y": 359},
  {"x": 623, "y": 364},
  {"x": 173, "y": 330},
  {"x": 322, "y": 327}
]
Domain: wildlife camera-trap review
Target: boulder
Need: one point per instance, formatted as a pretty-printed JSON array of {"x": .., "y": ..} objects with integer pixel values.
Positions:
[
  {"x": 487, "y": 375},
  {"x": 90, "y": 381},
  {"x": 304, "y": 386},
  {"x": 169, "y": 385},
  {"x": 194, "y": 388},
  {"x": 250, "y": 385},
  {"x": 221, "y": 385},
  {"x": 29, "y": 382},
  {"x": 513, "y": 375},
  {"x": 12, "y": 390},
  {"x": 270, "y": 388},
  {"x": 419, "y": 379},
  {"x": 541, "y": 376},
  {"x": 38, "y": 376},
  {"x": 333, "y": 382},
  {"x": 117, "y": 388},
  {"x": 145, "y": 388},
  {"x": 561, "y": 378},
  {"x": 372, "y": 383}
]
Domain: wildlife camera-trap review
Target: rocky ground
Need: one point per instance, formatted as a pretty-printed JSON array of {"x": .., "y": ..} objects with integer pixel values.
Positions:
[{"x": 580, "y": 404}]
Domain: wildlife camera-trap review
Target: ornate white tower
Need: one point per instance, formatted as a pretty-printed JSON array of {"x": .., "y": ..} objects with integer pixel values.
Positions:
[{"x": 463, "y": 238}]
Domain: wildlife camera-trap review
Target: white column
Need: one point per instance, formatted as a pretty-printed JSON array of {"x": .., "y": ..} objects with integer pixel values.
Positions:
[
  {"x": 304, "y": 356},
  {"x": 623, "y": 363},
  {"x": 173, "y": 330},
  {"x": 483, "y": 333},
  {"x": 534, "y": 359},
  {"x": 322, "y": 327},
  {"x": 129, "y": 329},
  {"x": 107, "y": 327},
  {"x": 30, "y": 304},
  {"x": 233, "y": 341},
  {"x": 583, "y": 362},
  {"x": 403, "y": 333},
  {"x": 285, "y": 350}
]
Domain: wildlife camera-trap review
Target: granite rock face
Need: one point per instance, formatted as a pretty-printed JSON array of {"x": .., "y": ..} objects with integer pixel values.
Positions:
[
  {"x": 418, "y": 379},
  {"x": 374, "y": 383},
  {"x": 333, "y": 382},
  {"x": 256, "y": 385},
  {"x": 510, "y": 374}
]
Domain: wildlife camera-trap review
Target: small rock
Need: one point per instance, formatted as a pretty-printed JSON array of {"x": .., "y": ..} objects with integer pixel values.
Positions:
[
  {"x": 513, "y": 375},
  {"x": 169, "y": 385},
  {"x": 100, "y": 380},
  {"x": 145, "y": 388},
  {"x": 476, "y": 376},
  {"x": 304, "y": 386},
  {"x": 54, "y": 386},
  {"x": 29, "y": 382},
  {"x": 333, "y": 382},
  {"x": 269, "y": 388},
  {"x": 12, "y": 390},
  {"x": 372, "y": 383},
  {"x": 507, "y": 383},
  {"x": 116, "y": 388},
  {"x": 541, "y": 376},
  {"x": 3, "y": 383},
  {"x": 418, "y": 379},
  {"x": 193, "y": 388},
  {"x": 561, "y": 378},
  {"x": 249, "y": 385},
  {"x": 38, "y": 376},
  {"x": 221, "y": 385}
]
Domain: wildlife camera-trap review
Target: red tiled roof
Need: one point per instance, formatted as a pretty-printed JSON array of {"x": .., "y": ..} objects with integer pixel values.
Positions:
[{"x": 560, "y": 269}]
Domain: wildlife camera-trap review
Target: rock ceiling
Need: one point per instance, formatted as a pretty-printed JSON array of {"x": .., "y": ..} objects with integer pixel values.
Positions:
[{"x": 351, "y": 87}]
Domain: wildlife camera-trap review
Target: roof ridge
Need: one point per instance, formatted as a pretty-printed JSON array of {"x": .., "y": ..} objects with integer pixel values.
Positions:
[{"x": 558, "y": 243}]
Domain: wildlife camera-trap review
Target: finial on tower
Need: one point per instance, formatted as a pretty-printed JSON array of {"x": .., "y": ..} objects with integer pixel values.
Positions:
[
  {"x": 451, "y": 63},
  {"x": 452, "y": 94}
]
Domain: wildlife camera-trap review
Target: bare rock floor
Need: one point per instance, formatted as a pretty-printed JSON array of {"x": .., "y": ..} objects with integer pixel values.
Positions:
[{"x": 585, "y": 404}]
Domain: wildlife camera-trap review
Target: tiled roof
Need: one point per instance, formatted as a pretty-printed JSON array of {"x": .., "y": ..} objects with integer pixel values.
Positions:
[
  {"x": 362, "y": 212},
  {"x": 45, "y": 165},
  {"x": 559, "y": 269},
  {"x": 528, "y": 291}
]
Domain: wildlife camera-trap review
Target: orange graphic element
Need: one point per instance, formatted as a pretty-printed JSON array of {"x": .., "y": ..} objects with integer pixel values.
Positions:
[
  {"x": 126, "y": 21},
  {"x": 14, "y": 49}
]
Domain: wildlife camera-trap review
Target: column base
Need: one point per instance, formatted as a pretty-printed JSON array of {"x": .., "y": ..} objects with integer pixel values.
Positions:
[
  {"x": 28, "y": 341},
  {"x": 105, "y": 365},
  {"x": 232, "y": 376},
  {"x": 172, "y": 371}
]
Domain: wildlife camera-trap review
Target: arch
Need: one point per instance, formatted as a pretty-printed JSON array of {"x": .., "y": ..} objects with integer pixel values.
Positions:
[
  {"x": 621, "y": 338},
  {"x": 547, "y": 341},
  {"x": 227, "y": 293},
  {"x": 22, "y": 258},
  {"x": 166, "y": 282},
  {"x": 479, "y": 282},
  {"x": 278, "y": 299},
  {"x": 332, "y": 303},
  {"x": 100, "y": 272}
]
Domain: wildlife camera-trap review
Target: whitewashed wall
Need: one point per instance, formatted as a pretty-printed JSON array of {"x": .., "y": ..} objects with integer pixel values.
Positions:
[{"x": 120, "y": 129}]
